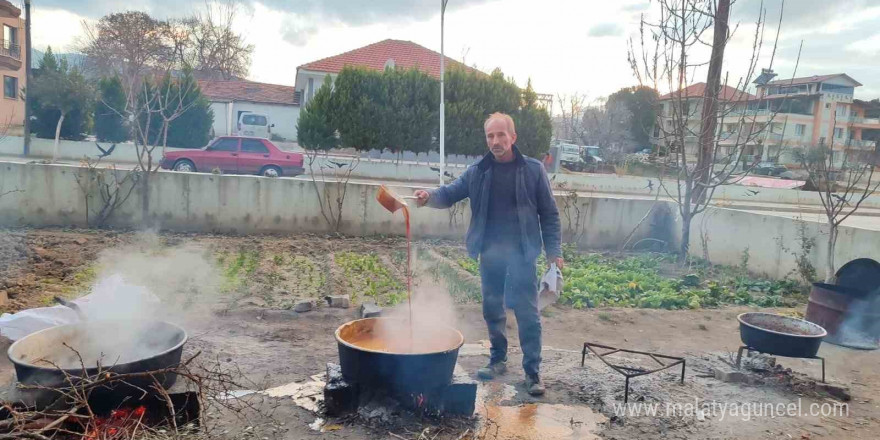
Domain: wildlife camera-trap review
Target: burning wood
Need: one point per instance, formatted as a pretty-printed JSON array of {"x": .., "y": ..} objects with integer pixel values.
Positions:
[{"x": 77, "y": 412}]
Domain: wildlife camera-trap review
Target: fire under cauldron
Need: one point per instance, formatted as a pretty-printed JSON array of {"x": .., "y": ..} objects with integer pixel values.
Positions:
[
  {"x": 49, "y": 357},
  {"x": 379, "y": 353}
]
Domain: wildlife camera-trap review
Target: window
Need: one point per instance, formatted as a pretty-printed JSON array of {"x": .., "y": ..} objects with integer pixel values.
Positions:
[
  {"x": 799, "y": 129},
  {"x": 253, "y": 120},
  {"x": 10, "y": 87},
  {"x": 838, "y": 133},
  {"x": 827, "y": 105},
  {"x": 10, "y": 37},
  {"x": 225, "y": 144},
  {"x": 253, "y": 146},
  {"x": 311, "y": 93}
]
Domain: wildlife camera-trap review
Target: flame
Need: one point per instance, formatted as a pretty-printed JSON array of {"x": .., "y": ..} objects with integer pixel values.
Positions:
[{"x": 119, "y": 424}]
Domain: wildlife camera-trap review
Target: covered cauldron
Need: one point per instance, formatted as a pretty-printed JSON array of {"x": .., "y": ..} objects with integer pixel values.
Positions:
[
  {"x": 380, "y": 353},
  {"x": 48, "y": 357}
]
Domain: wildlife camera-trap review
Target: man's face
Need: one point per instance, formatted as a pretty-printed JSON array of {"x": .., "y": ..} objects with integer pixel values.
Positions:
[{"x": 498, "y": 139}]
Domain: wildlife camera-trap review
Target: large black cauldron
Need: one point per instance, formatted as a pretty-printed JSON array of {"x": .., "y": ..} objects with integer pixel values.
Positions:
[
  {"x": 369, "y": 362},
  {"x": 48, "y": 357},
  {"x": 780, "y": 335}
]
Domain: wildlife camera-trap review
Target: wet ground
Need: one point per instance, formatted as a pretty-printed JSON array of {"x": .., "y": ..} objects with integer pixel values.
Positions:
[{"x": 273, "y": 347}]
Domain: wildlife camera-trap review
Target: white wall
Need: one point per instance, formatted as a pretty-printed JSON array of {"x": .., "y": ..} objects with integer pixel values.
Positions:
[
  {"x": 302, "y": 82},
  {"x": 49, "y": 196},
  {"x": 284, "y": 117}
]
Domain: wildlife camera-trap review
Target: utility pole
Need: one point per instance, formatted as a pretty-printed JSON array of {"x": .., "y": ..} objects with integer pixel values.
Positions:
[
  {"x": 442, "y": 96},
  {"x": 27, "y": 77}
]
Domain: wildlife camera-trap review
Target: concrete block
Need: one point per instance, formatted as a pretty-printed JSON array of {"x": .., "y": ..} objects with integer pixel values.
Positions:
[
  {"x": 339, "y": 301},
  {"x": 460, "y": 397},
  {"x": 731, "y": 376},
  {"x": 304, "y": 306},
  {"x": 369, "y": 310},
  {"x": 340, "y": 397}
]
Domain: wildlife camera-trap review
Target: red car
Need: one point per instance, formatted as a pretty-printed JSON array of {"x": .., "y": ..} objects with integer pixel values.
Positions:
[{"x": 237, "y": 155}]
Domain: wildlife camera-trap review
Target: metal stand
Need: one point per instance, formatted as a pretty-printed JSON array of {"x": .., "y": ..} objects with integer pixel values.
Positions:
[
  {"x": 630, "y": 372},
  {"x": 749, "y": 351}
]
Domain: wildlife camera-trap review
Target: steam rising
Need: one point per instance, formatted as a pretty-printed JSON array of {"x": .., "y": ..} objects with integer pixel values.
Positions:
[
  {"x": 136, "y": 286},
  {"x": 433, "y": 313}
]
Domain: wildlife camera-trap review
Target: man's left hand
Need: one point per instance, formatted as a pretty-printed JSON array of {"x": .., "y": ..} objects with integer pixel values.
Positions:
[{"x": 560, "y": 263}]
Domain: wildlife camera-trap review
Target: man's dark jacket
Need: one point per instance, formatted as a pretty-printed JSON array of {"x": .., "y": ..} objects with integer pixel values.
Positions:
[{"x": 536, "y": 207}]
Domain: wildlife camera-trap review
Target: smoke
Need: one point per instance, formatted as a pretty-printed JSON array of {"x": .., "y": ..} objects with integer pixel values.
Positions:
[
  {"x": 861, "y": 326},
  {"x": 433, "y": 314},
  {"x": 140, "y": 288}
]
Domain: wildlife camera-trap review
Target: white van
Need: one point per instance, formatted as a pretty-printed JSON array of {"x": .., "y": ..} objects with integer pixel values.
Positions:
[{"x": 254, "y": 124}]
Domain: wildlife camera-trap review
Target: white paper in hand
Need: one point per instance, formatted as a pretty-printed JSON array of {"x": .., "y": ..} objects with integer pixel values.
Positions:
[{"x": 551, "y": 287}]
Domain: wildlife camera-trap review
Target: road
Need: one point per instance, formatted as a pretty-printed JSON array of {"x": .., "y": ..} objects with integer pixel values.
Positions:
[{"x": 865, "y": 218}]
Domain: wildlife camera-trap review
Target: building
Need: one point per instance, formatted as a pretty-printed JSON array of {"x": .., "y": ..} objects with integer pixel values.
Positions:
[
  {"x": 376, "y": 56},
  {"x": 685, "y": 108},
  {"x": 229, "y": 99},
  {"x": 783, "y": 115},
  {"x": 12, "y": 67}
]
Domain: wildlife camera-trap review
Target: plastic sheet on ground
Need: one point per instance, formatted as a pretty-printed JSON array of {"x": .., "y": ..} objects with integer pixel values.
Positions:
[{"x": 111, "y": 297}]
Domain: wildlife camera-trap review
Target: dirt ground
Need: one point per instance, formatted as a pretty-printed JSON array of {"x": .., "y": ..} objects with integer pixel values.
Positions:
[{"x": 247, "y": 323}]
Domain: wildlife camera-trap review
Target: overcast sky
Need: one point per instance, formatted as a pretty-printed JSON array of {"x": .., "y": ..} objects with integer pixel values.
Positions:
[{"x": 565, "y": 46}]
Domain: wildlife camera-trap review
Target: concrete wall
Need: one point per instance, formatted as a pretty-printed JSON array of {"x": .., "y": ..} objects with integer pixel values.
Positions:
[
  {"x": 48, "y": 195},
  {"x": 72, "y": 150},
  {"x": 407, "y": 171},
  {"x": 771, "y": 240}
]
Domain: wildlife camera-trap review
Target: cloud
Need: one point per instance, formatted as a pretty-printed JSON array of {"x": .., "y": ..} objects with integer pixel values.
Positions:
[
  {"x": 605, "y": 30},
  {"x": 297, "y": 31},
  {"x": 799, "y": 13},
  {"x": 346, "y": 11}
]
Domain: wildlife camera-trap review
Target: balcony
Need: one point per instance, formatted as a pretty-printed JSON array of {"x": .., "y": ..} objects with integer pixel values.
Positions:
[
  {"x": 861, "y": 144},
  {"x": 10, "y": 55},
  {"x": 864, "y": 121}
]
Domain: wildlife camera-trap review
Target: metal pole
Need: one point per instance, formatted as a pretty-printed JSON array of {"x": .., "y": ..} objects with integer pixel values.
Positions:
[
  {"x": 442, "y": 96},
  {"x": 27, "y": 76}
]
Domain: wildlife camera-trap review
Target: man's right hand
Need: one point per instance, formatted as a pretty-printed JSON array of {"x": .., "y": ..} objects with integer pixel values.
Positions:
[{"x": 422, "y": 197}]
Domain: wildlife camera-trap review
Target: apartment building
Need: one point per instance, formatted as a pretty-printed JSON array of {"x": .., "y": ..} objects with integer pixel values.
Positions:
[
  {"x": 12, "y": 69},
  {"x": 786, "y": 114}
]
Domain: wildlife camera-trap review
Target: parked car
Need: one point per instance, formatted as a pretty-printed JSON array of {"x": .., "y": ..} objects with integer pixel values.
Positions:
[
  {"x": 237, "y": 155},
  {"x": 255, "y": 124},
  {"x": 769, "y": 169}
]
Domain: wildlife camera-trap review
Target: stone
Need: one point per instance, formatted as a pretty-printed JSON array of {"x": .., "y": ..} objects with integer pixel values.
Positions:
[
  {"x": 81, "y": 241},
  {"x": 252, "y": 301},
  {"x": 339, "y": 301},
  {"x": 304, "y": 306},
  {"x": 731, "y": 376},
  {"x": 460, "y": 397},
  {"x": 839, "y": 392},
  {"x": 4, "y": 297},
  {"x": 370, "y": 310}
]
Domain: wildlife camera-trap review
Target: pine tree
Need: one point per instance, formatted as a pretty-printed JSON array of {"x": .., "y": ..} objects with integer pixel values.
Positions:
[
  {"x": 315, "y": 129},
  {"x": 109, "y": 123}
]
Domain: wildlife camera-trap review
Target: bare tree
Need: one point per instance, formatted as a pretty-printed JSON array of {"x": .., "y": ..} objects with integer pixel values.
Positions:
[
  {"x": 126, "y": 43},
  {"x": 208, "y": 43},
  {"x": 569, "y": 125},
  {"x": 607, "y": 125},
  {"x": 669, "y": 54},
  {"x": 844, "y": 180}
]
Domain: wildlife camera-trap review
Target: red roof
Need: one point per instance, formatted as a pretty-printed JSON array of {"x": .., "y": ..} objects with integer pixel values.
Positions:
[
  {"x": 809, "y": 79},
  {"x": 405, "y": 54},
  {"x": 239, "y": 90},
  {"x": 696, "y": 91}
]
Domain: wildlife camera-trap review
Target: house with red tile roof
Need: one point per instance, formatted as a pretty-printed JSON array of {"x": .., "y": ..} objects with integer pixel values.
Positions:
[
  {"x": 230, "y": 99},
  {"x": 376, "y": 56}
]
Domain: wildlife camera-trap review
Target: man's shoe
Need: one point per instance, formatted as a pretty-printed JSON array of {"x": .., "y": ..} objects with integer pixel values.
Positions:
[
  {"x": 492, "y": 370},
  {"x": 534, "y": 385}
]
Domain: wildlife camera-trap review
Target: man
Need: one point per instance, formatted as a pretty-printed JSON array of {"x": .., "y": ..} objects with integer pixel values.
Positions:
[{"x": 512, "y": 214}]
